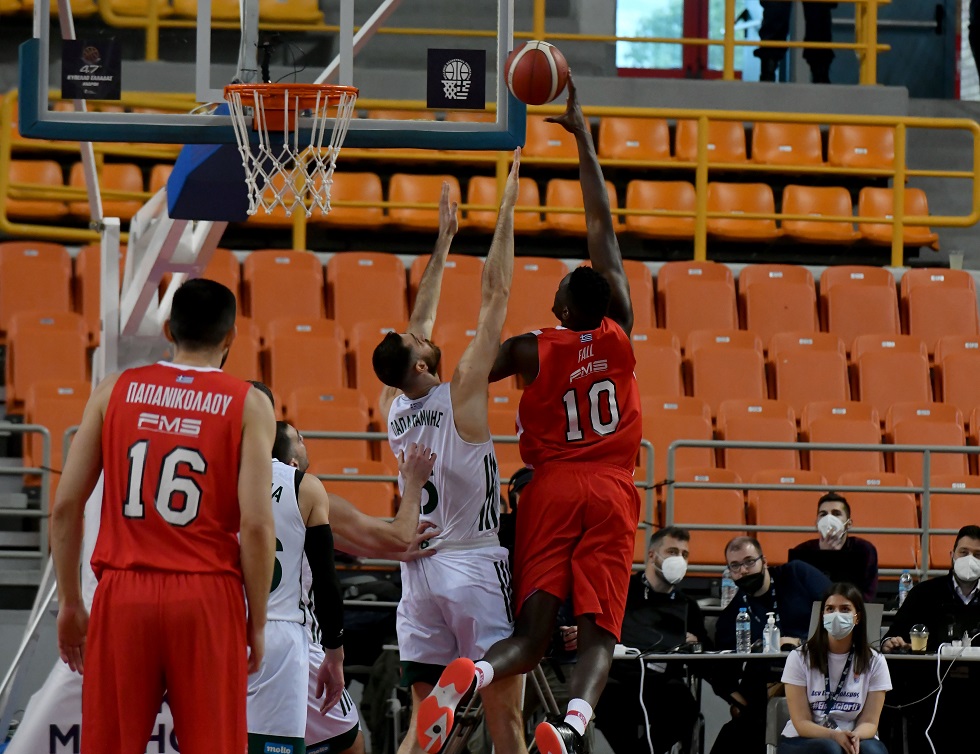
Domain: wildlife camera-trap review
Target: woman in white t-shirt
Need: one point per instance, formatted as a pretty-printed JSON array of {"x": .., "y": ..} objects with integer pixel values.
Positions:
[{"x": 837, "y": 665}]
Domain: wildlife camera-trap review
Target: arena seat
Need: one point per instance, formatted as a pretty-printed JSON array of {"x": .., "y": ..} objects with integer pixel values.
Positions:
[
  {"x": 366, "y": 283},
  {"x": 641, "y": 292},
  {"x": 958, "y": 372},
  {"x": 482, "y": 190},
  {"x": 740, "y": 198},
  {"x": 159, "y": 175},
  {"x": 891, "y": 369},
  {"x": 453, "y": 338},
  {"x": 726, "y": 141},
  {"x": 39, "y": 174},
  {"x": 313, "y": 409},
  {"x": 290, "y": 11},
  {"x": 245, "y": 355},
  {"x": 777, "y": 298},
  {"x": 42, "y": 346},
  {"x": 817, "y": 201},
  {"x": 353, "y": 187},
  {"x": 87, "y": 286},
  {"x": 886, "y": 509},
  {"x": 548, "y": 141},
  {"x": 282, "y": 284},
  {"x": 562, "y": 193},
  {"x": 637, "y": 139},
  {"x": 948, "y": 510},
  {"x": 113, "y": 176},
  {"x": 221, "y": 10},
  {"x": 139, "y": 8},
  {"x": 676, "y": 418},
  {"x": 502, "y": 417},
  {"x": 938, "y": 302},
  {"x": 33, "y": 275},
  {"x": 413, "y": 189},
  {"x": 725, "y": 364},
  {"x": 658, "y": 362},
  {"x": 878, "y": 202},
  {"x": 371, "y": 498},
  {"x": 224, "y": 268},
  {"x": 926, "y": 424},
  {"x": 842, "y": 422},
  {"x": 276, "y": 217},
  {"x": 858, "y": 301},
  {"x": 695, "y": 296},
  {"x": 787, "y": 144},
  {"x": 709, "y": 506},
  {"x": 363, "y": 338},
  {"x": 808, "y": 367},
  {"x": 862, "y": 147},
  {"x": 532, "y": 293},
  {"x": 305, "y": 352},
  {"x": 460, "y": 295},
  {"x": 56, "y": 405},
  {"x": 668, "y": 195},
  {"x": 757, "y": 421},
  {"x": 783, "y": 507}
]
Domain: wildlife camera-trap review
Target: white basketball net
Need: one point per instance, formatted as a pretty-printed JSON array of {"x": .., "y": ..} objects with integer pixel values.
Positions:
[{"x": 283, "y": 169}]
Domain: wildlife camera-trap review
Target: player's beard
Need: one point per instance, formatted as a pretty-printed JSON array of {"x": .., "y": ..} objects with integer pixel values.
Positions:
[{"x": 433, "y": 358}]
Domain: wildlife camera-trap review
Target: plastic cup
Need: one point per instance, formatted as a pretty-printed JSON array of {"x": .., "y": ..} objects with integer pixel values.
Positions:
[
  {"x": 920, "y": 637},
  {"x": 956, "y": 260}
]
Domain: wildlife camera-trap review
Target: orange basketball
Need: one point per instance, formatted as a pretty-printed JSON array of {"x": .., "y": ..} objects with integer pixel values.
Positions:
[{"x": 536, "y": 72}]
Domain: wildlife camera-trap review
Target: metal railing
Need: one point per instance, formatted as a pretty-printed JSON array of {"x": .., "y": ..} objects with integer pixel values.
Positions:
[
  {"x": 924, "y": 491},
  {"x": 40, "y": 553}
]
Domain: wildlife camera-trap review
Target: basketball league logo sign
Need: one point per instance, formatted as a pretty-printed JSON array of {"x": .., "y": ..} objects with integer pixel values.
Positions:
[
  {"x": 456, "y": 79},
  {"x": 90, "y": 69}
]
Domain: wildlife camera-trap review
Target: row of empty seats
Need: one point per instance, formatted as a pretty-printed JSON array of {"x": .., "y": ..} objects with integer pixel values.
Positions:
[
  {"x": 793, "y": 507},
  {"x": 270, "y": 11}
]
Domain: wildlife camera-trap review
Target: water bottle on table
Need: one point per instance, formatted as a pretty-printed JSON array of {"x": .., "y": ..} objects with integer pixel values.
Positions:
[
  {"x": 743, "y": 632},
  {"x": 904, "y": 586},
  {"x": 728, "y": 588}
]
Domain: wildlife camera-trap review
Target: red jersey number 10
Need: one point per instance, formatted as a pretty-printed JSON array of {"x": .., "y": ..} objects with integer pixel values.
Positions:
[{"x": 603, "y": 392}]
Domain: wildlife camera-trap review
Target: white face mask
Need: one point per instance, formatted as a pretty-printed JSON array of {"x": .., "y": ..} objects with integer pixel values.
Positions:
[
  {"x": 967, "y": 568},
  {"x": 830, "y": 527},
  {"x": 838, "y": 625},
  {"x": 673, "y": 569}
]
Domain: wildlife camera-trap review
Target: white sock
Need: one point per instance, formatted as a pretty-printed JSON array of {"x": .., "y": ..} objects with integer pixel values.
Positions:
[
  {"x": 578, "y": 716},
  {"x": 484, "y": 674}
]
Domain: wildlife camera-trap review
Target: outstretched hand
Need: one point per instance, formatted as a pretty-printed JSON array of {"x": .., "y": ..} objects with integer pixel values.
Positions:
[
  {"x": 330, "y": 678},
  {"x": 572, "y": 120},
  {"x": 511, "y": 190},
  {"x": 420, "y": 545},
  {"x": 448, "y": 213}
]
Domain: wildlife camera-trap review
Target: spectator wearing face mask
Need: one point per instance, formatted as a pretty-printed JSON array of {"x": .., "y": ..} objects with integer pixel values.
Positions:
[
  {"x": 659, "y": 617},
  {"x": 949, "y": 606},
  {"x": 860, "y": 558}
]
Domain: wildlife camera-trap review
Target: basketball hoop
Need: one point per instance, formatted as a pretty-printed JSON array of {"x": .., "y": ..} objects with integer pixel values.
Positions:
[{"x": 288, "y": 172}]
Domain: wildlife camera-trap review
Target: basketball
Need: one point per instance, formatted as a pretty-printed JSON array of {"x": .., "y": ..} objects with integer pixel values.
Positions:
[{"x": 536, "y": 72}]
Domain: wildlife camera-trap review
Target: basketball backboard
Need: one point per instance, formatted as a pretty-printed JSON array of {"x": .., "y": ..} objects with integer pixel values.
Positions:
[{"x": 204, "y": 45}]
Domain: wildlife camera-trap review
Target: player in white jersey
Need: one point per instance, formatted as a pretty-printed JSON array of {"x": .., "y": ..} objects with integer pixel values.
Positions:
[
  {"x": 458, "y": 602},
  {"x": 277, "y": 692}
]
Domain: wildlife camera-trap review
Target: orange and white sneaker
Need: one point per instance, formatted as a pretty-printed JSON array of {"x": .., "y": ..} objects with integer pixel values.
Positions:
[
  {"x": 557, "y": 738},
  {"x": 438, "y": 710}
]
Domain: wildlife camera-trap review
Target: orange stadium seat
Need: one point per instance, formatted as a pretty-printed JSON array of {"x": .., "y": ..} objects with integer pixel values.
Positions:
[
  {"x": 958, "y": 372},
  {"x": 675, "y": 418},
  {"x": 87, "y": 286},
  {"x": 245, "y": 356},
  {"x": 808, "y": 367},
  {"x": 419, "y": 189},
  {"x": 312, "y": 409},
  {"x": 366, "y": 283},
  {"x": 641, "y": 292},
  {"x": 224, "y": 268},
  {"x": 878, "y": 202},
  {"x": 949, "y": 510},
  {"x": 886, "y": 510},
  {"x": 482, "y": 190},
  {"x": 395, "y": 114},
  {"x": 637, "y": 139},
  {"x": 738, "y": 198},
  {"x": 891, "y": 369},
  {"x": 371, "y": 498},
  {"x": 842, "y": 422},
  {"x": 726, "y": 141},
  {"x": 290, "y": 12},
  {"x": 548, "y": 141},
  {"x": 938, "y": 302},
  {"x": 39, "y": 174},
  {"x": 159, "y": 175},
  {"x": 460, "y": 296},
  {"x": 364, "y": 337},
  {"x": 453, "y": 338},
  {"x": 532, "y": 293},
  {"x": 725, "y": 364},
  {"x": 757, "y": 421},
  {"x": 858, "y": 300},
  {"x": 282, "y": 284},
  {"x": 926, "y": 424},
  {"x": 33, "y": 275},
  {"x": 503, "y": 422},
  {"x": 818, "y": 201},
  {"x": 353, "y": 187},
  {"x": 561, "y": 193},
  {"x": 139, "y": 8},
  {"x": 863, "y": 147},
  {"x": 678, "y": 196},
  {"x": 56, "y": 405},
  {"x": 709, "y": 506},
  {"x": 777, "y": 298},
  {"x": 43, "y": 346},
  {"x": 658, "y": 362},
  {"x": 784, "y": 507},
  {"x": 787, "y": 144},
  {"x": 695, "y": 296},
  {"x": 277, "y": 217},
  {"x": 113, "y": 176},
  {"x": 305, "y": 353}
]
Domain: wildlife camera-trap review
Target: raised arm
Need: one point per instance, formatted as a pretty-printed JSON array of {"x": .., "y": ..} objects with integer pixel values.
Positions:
[
  {"x": 469, "y": 385},
  {"x": 423, "y": 316},
  {"x": 257, "y": 527},
  {"x": 78, "y": 479},
  {"x": 603, "y": 247}
]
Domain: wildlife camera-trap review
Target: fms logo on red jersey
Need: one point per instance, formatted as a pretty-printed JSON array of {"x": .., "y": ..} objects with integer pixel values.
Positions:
[{"x": 176, "y": 425}]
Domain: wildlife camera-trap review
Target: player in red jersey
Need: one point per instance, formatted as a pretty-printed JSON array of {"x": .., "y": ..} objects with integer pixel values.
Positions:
[
  {"x": 185, "y": 450},
  {"x": 579, "y": 426}
]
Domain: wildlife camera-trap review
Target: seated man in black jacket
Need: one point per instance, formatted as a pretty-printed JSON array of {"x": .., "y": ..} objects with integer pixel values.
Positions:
[
  {"x": 659, "y": 617},
  {"x": 949, "y": 606}
]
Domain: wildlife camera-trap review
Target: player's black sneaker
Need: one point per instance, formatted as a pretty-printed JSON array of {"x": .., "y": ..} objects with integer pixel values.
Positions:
[{"x": 558, "y": 738}]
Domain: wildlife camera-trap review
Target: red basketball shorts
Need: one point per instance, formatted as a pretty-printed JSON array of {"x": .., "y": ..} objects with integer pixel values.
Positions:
[
  {"x": 154, "y": 632},
  {"x": 576, "y": 526}
]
